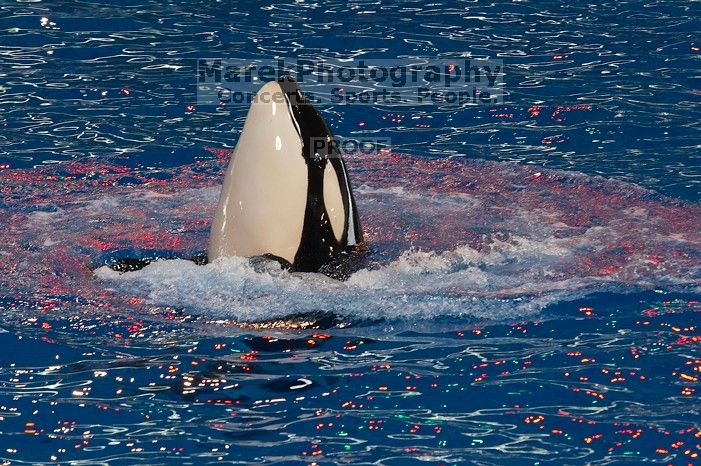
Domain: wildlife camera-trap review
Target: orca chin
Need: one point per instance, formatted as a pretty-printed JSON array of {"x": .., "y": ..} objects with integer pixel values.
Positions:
[{"x": 286, "y": 193}]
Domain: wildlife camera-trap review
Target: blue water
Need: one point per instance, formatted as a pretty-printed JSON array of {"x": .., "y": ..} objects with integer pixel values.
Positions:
[{"x": 527, "y": 313}]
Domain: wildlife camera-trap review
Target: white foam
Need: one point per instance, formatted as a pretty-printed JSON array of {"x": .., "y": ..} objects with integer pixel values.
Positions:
[
  {"x": 488, "y": 251},
  {"x": 504, "y": 281}
]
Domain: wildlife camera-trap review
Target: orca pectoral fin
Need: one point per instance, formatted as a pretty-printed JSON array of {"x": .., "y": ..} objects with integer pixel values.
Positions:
[
  {"x": 344, "y": 264},
  {"x": 268, "y": 263},
  {"x": 128, "y": 265},
  {"x": 132, "y": 264}
]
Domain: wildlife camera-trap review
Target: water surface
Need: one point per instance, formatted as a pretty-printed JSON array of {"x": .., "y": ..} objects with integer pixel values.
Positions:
[{"x": 538, "y": 312}]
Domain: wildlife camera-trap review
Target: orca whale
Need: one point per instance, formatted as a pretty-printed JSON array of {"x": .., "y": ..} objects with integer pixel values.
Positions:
[{"x": 286, "y": 193}]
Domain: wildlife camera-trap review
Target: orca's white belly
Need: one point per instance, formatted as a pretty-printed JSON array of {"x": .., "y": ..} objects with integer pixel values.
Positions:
[{"x": 261, "y": 209}]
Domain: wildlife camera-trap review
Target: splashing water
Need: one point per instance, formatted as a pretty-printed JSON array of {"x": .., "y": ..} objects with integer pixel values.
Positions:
[{"x": 448, "y": 237}]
